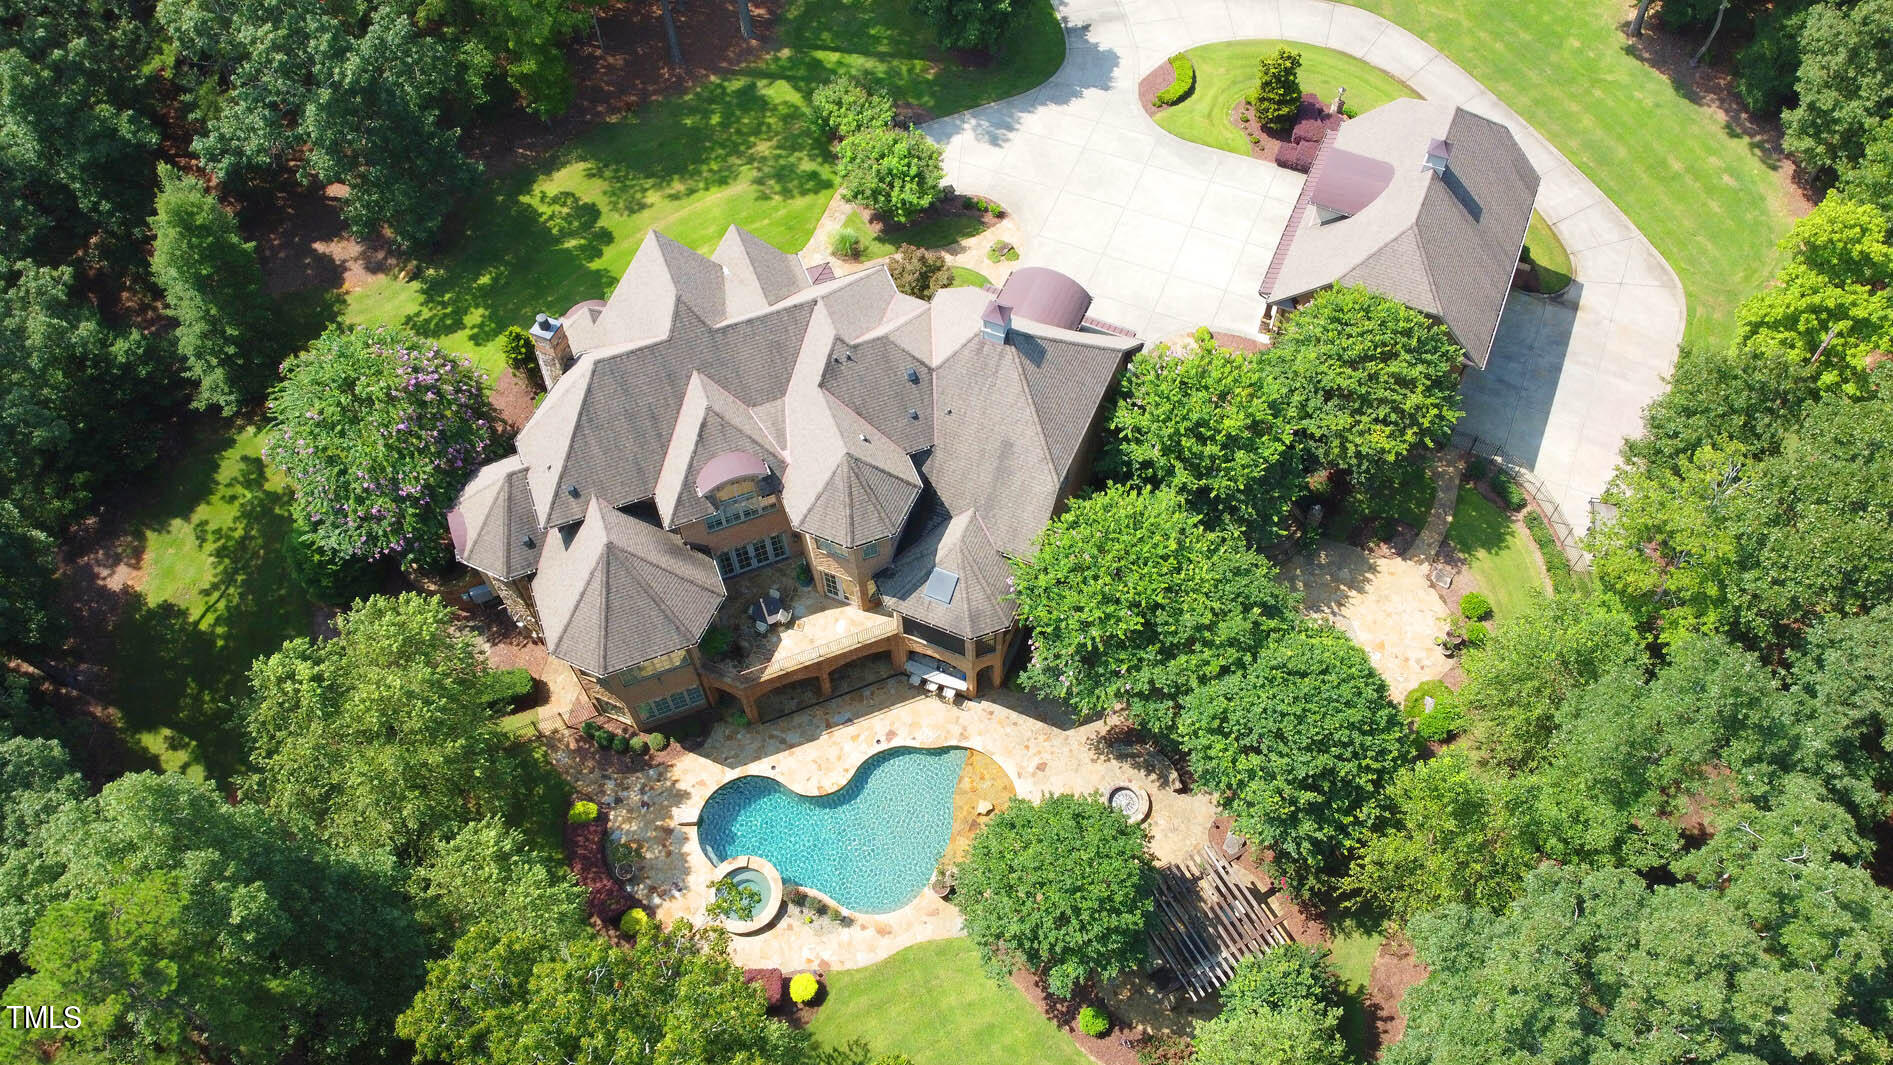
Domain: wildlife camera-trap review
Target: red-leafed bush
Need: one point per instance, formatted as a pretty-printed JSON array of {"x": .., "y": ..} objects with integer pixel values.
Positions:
[
  {"x": 1309, "y": 131},
  {"x": 606, "y": 899},
  {"x": 1297, "y": 157},
  {"x": 770, "y": 980}
]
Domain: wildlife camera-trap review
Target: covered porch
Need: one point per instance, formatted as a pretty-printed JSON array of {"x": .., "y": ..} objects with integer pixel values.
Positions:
[{"x": 782, "y": 633}]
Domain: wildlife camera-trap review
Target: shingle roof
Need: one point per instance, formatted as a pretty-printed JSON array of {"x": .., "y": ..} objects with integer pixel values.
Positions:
[
  {"x": 617, "y": 591},
  {"x": 492, "y": 522},
  {"x": 710, "y": 422},
  {"x": 1446, "y": 245},
  {"x": 980, "y": 602},
  {"x": 848, "y": 482}
]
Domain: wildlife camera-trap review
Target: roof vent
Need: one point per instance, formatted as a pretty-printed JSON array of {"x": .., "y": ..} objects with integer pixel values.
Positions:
[
  {"x": 864, "y": 439},
  {"x": 572, "y": 490},
  {"x": 1438, "y": 154},
  {"x": 545, "y": 327},
  {"x": 913, "y": 415},
  {"x": 913, "y": 376}
]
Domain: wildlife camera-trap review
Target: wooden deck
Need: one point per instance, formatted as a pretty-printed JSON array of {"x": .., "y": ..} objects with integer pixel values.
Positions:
[{"x": 1211, "y": 915}]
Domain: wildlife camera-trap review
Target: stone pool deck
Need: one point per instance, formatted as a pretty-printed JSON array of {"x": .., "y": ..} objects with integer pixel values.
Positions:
[{"x": 817, "y": 750}]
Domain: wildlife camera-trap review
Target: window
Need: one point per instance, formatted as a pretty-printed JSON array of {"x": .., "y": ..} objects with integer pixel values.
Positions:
[
  {"x": 652, "y": 667},
  {"x": 753, "y": 555},
  {"x": 830, "y": 547},
  {"x": 667, "y": 706},
  {"x": 831, "y": 585},
  {"x": 986, "y": 645},
  {"x": 871, "y": 550},
  {"x": 736, "y": 511}
]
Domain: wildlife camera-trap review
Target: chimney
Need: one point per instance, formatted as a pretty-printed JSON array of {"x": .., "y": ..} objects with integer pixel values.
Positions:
[
  {"x": 996, "y": 323},
  {"x": 552, "y": 346},
  {"x": 1439, "y": 154}
]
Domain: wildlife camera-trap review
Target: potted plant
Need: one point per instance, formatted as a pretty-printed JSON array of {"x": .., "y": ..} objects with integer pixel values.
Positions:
[{"x": 803, "y": 576}]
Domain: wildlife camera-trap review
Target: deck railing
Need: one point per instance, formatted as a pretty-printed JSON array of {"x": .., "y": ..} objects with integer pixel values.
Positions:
[{"x": 881, "y": 629}]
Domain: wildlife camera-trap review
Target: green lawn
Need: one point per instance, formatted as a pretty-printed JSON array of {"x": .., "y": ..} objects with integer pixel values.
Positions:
[
  {"x": 1549, "y": 259},
  {"x": 1503, "y": 562},
  {"x": 1353, "y": 954},
  {"x": 1699, "y": 190},
  {"x": 933, "y": 1003},
  {"x": 1225, "y": 73},
  {"x": 940, "y": 232},
  {"x": 736, "y": 149},
  {"x": 968, "y": 278},
  {"x": 216, "y": 594}
]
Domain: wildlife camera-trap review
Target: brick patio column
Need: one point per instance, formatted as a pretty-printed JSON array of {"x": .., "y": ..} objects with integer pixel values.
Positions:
[{"x": 826, "y": 682}]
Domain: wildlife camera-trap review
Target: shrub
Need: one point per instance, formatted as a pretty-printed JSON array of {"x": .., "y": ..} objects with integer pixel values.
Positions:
[
  {"x": 894, "y": 172},
  {"x": 1474, "y": 607},
  {"x": 1442, "y": 723},
  {"x": 1477, "y": 634},
  {"x": 1185, "y": 83},
  {"x": 581, "y": 813},
  {"x": 770, "y": 981},
  {"x": 844, "y": 107},
  {"x": 716, "y": 641},
  {"x": 1507, "y": 490},
  {"x": 919, "y": 273},
  {"x": 517, "y": 349},
  {"x": 1477, "y": 469},
  {"x": 968, "y": 24},
  {"x": 1415, "y": 704},
  {"x": 1557, "y": 567},
  {"x": 1094, "y": 1022},
  {"x": 621, "y": 743},
  {"x": 328, "y": 576},
  {"x": 658, "y": 741},
  {"x": 1165, "y": 1048},
  {"x": 635, "y": 922},
  {"x": 1277, "y": 96},
  {"x": 845, "y": 244},
  {"x": 999, "y": 250},
  {"x": 636, "y": 745},
  {"x": 803, "y": 987},
  {"x": 505, "y": 689},
  {"x": 1290, "y": 975}
]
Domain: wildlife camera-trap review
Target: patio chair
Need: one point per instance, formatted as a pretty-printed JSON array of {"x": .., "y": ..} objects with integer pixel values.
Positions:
[
  {"x": 913, "y": 679},
  {"x": 932, "y": 688},
  {"x": 762, "y": 627}
]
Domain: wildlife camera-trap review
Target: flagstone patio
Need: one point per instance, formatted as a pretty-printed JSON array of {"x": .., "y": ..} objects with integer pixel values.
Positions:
[{"x": 817, "y": 750}]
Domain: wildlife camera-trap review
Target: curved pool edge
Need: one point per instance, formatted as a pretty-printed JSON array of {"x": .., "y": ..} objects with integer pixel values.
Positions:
[{"x": 689, "y": 816}]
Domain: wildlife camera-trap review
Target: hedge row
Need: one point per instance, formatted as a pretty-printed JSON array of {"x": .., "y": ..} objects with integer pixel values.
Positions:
[
  {"x": 1183, "y": 86},
  {"x": 1557, "y": 567}
]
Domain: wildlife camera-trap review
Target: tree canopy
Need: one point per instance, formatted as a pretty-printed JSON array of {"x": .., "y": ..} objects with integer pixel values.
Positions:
[
  {"x": 977, "y": 25},
  {"x": 1215, "y": 426},
  {"x": 1063, "y": 887},
  {"x": 1375, "y": 379},
  {"x": 214, "y": 288},
  {"x": 1300, "y": 746},
  {"x": 510, "y": 996},
  {"x": 189, "y": 926},
  {"x": 1130, "y": 600},
  {"x": 378, "y": 431},
  {"x": 1844, "y": 85},
  {"x": 379, "y": 739},
  {"x": 894, "y": 172}
]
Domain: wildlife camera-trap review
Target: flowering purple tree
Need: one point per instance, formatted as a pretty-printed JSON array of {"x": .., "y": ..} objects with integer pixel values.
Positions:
[{"x": 377, "y": 430}]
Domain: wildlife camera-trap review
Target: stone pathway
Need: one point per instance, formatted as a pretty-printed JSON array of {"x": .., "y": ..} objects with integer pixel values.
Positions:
[
  {"x": 1169, "y": 235},
  {"x": 817, "y": 751},
  {"x": 1384, "y": 603},
  {"x": 1446, "y": 467}
]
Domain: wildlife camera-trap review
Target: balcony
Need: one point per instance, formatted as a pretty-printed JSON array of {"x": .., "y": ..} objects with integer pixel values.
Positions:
[{"x": 821, "y": 630}]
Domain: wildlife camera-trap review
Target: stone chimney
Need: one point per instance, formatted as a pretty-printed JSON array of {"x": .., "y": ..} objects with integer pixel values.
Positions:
[{"x": 552, "y": 346}]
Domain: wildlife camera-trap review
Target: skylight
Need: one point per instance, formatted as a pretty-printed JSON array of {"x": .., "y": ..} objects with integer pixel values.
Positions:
[{"x": 941, "y": 585}]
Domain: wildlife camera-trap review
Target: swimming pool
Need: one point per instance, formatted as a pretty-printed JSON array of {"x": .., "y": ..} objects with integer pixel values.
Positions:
[{"x": 871, "y": 846}]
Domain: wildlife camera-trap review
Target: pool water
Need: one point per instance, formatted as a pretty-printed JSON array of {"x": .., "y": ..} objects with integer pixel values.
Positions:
[
  {"x": 754, "y": 880},
  {"x": 871, "y": 846}
]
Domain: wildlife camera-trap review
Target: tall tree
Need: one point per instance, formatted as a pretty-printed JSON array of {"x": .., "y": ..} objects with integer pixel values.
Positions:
[
  {"x": 893, "y": 172},
  {"x": 76, "y": 136},
  {"x": 519, "y": 42},
  {"x": 190, "y": 928},
  {"x": 36, "y": 784},
  {"x": 1869, "y": 179},
  {"x": 77, "y": 396},
  {"x": 1215, "y": 426},
  {"x": 975, "y": 25},
  {"x": 379, "y": 739},
  {"x": 507, "y": 996},
  {"x": 1376, "y": 380},
  {"x": 377, "y": 431},
  {"x": 214, "y": 288},
  {"x": 1300, "y": 748},
  {"x": 1534, "y": 662},
  {"x": 1062, "y": 886},
  {"x": 28, "y": 620},
  {"x": 1845, "y": 672},
  {"x": 1845, "y": 84},
  {"x": 1130, "y": 600},
  {"x": 487, "y": 873}
]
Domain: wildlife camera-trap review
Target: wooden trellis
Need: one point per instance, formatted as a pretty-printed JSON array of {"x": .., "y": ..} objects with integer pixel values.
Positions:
[{"x": 1210, "y": 916}]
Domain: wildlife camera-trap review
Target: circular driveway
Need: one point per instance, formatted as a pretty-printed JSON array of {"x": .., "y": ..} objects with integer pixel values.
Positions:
[{"x": 1169, "y": 235}]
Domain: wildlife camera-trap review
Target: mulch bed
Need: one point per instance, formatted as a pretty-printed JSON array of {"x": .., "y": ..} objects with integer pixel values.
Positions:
[
  {"x": 1117, "y": 1047},
  {"x": 1294, "y": 150},
  {"x": 1153, "y": 83}
]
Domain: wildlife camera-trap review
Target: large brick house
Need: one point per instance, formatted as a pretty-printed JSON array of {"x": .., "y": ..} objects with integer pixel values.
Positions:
[{"x": 717, "y": 420}]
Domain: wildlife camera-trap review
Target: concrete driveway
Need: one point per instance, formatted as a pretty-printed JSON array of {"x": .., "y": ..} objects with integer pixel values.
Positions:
[{"x": 1169, "y": 235}]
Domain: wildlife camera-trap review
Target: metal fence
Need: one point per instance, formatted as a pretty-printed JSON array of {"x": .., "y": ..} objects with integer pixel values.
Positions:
[{"x": 1568, "y": 535}]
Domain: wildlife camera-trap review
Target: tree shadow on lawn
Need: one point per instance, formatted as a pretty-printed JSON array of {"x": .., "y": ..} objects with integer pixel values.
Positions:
[
  {"x": 1478, "y": 526},
  {"x": 186, "y": 672}
]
